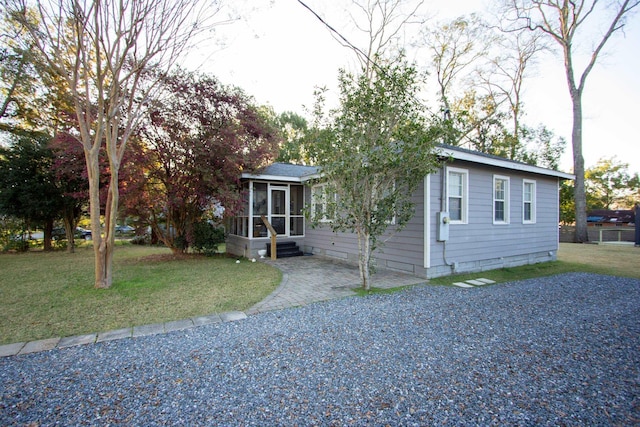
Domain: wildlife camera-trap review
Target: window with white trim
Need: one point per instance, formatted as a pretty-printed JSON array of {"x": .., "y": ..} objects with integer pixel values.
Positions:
[
  {"x": 386, "y": 192},
  {"x": 528, "y": 201},
  {"x": 457, "y": 195},
  {"x": 500, "y": 199},
  {"x": 322, "y": 202}
]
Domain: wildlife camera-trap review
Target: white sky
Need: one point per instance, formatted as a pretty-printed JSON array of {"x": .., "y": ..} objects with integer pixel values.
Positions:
[{"x": 279, "y": 52}]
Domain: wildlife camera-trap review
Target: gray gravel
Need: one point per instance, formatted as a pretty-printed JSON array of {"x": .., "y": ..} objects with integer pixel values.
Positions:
[{"x": 562, "y": 350}]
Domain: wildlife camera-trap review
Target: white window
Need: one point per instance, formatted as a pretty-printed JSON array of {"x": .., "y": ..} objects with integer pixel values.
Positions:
[
  {"x": 528, "y": 201},
  {"x": 500, "y": 199},
  {"x": 387, "y": 191},
  {"x": 457, "y": 195},
  {"x": 322, "y": 202}
]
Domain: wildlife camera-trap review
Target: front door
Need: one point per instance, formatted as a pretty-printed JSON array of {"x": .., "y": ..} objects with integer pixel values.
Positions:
[{"x": 279, "y": 209}]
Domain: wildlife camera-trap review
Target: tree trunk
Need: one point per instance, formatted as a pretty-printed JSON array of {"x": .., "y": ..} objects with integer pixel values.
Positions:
[
  {"x": 99, "y": 248},
  {"x": 69, "y": 229},
  {"x": 364, "y": 258},
  {"x": 581, "y": 234},
  {"x": 107, "y": 242},
  {"x": 48, "y": 231}
]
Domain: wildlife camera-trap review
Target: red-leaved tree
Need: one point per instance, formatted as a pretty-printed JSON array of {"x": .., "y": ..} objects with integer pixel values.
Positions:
[{"x": 194, "y": 143}]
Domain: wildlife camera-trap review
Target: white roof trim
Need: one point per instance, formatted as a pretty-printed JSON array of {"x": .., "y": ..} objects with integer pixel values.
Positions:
[
  {"x": 273, "y": 177},
  {"x": 502, "y": 163},
  {"x": 442, "y": 151}
]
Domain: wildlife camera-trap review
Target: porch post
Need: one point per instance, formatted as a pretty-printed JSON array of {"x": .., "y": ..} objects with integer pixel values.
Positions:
[
  {"x": 274, "y": 249},
  {"x": 637, "y": 223}
]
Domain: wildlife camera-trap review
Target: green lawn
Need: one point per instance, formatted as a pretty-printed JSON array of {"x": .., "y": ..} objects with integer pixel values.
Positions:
[
  {"x": 613, "y": 260},
  {"x": 44, "y": 295}
]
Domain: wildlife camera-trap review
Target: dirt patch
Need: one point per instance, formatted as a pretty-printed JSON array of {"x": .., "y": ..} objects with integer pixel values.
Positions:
[{"x": 168, "y": 257}]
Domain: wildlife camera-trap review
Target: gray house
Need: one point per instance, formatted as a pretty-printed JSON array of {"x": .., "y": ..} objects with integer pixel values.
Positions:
[{"x": 478, "y": 212}]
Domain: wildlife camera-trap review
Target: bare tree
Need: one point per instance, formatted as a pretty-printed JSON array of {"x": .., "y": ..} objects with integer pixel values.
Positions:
[
  {"x": 506, "y": 76},
  {"x": 459, "y": 56},
  {"x": 102, "y": 48},
  {"x": 562, "y": 21},
  {"x": 383, "y": 23},
  {"x": 455, "y": 48}
]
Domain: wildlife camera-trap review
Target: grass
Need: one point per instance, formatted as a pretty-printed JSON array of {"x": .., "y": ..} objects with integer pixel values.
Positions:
[
  {"x": 44, "y": 295},
  {"x": 614, "y": 260}
]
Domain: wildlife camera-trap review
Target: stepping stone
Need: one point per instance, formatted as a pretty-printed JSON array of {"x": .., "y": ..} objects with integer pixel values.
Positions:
[
  {"x": 487, "y": 281},
  {"x": 462, "y": 285},
  {"x": 476, "y": 282},
  {"x": 231, "y": 316}
]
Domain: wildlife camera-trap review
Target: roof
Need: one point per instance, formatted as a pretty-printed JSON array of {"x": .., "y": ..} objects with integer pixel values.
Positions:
[
  {"x": 464, "y": 154},
  {"x": 619, "y": 216},
  {"x": 300, "y": 173},
  {"x": 284, "y": 172}
]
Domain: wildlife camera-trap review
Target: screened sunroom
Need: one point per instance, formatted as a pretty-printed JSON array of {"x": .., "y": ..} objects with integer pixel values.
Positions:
[{"x": 279, "y": 194}]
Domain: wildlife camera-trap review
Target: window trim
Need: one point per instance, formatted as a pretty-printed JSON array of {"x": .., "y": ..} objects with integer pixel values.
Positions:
[
  {"x": 464, "y": 210},
  {"x": 506, "y": 200},
  {"x": 322, "y": 188},
  {"x": 533, "y": 200},
  {"x": 392, "y": 220}
]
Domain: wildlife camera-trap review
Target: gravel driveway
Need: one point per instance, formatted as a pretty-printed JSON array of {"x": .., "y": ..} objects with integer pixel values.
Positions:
[{"x": 563, "y": 350}]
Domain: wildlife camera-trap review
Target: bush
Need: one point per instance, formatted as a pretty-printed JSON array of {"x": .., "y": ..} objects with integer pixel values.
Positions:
[
  {"x": 207, "y": 237},
  {"x": 12, "y": 235},
  {"x": 142, "y": 239},
  {"x": 16, "y": 243}
]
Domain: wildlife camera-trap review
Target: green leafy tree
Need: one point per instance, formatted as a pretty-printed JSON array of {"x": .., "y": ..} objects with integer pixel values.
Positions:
[
  {"x": 103, "y": 50},
  {"x": 27, "y": 184},
  {"x": 542, "y": 147},
  {"x": 374, "y": 152},
  {"x": 33, "y": 97},
  {"x": 296, "y": 146},
  {"x": 609, "y": 185},
  {"x": 567, "y": 203}
]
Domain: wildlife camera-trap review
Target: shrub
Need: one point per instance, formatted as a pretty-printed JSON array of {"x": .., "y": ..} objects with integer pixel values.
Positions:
[
  {"x": 12, "y": 235},
  {"x": 207, "y": 237},
  {"x": 142, "y": 239}
]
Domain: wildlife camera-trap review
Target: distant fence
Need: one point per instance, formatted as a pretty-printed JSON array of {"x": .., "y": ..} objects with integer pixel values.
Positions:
[{"x": 609, "y": 234}]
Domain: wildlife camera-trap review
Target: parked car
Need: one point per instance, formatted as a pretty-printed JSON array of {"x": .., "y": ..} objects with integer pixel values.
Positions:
[
  {"x": 124, "y": 229},
  {"x": 59, "y": 233},
  {"x": 83, "y": 233}
]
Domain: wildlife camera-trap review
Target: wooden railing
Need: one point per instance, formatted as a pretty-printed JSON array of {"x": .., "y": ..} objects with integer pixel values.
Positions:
[{"x": 272, "y": 230}]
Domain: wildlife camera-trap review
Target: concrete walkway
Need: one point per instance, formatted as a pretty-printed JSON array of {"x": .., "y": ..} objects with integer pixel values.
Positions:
[
  {"x": 305, "y": 280},
  {"x": 312, "y": 279}
]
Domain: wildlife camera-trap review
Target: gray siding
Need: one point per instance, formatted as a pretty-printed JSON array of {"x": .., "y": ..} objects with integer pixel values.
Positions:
[
  {"x": 480, "y": 244},
  {"x": 402, "y": 250},
  {"x": 476, "y": 246}
]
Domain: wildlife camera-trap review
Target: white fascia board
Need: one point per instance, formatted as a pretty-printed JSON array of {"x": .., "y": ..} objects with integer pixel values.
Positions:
[
  {"x": 311, "y": 177},
  {"x": 300, "y": 179},
  {"x": 272, "y": 178},
  {"x": 475, "y": 158}
]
